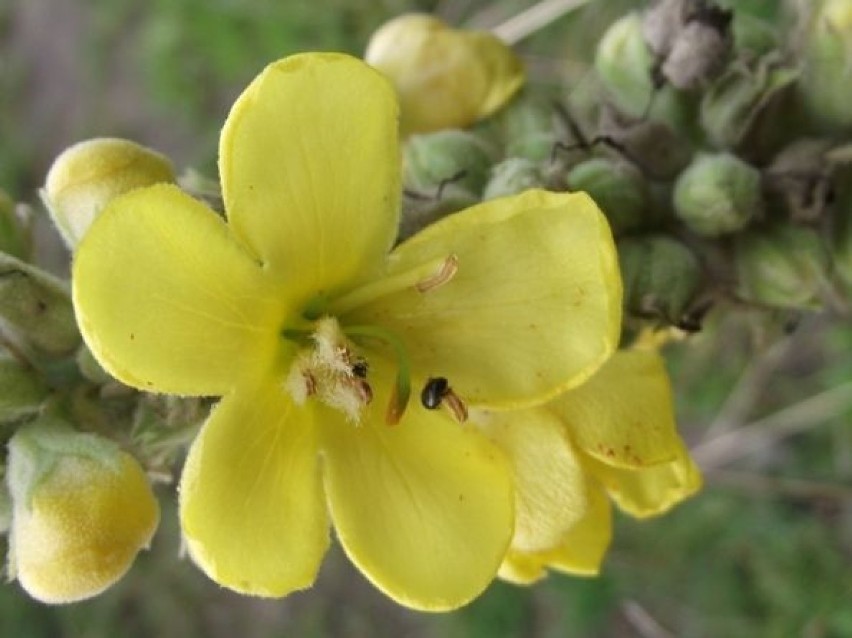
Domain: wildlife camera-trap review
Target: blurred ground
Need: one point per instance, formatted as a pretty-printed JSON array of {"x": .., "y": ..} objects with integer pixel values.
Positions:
[{"x": 764, "y": 551}]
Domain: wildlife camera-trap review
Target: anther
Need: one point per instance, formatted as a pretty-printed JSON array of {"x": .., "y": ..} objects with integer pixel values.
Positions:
[
  {"x": 437, "y": 392},
  {"x": 445, "y": 273}
]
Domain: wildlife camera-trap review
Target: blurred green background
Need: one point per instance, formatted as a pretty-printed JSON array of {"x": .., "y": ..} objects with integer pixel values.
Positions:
[{"x": 764, "y": 551}]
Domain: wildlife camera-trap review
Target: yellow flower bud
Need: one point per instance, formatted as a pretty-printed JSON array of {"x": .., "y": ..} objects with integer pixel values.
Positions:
[
  {"x": 86, "y": 176},
  {"x": 445, "y": 78},
  {"x": 82, "y": 509}
]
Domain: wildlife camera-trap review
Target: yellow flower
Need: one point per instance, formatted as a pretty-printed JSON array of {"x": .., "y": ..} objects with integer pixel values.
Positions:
[
  {"x": 294, "y": 312},
  {"x": 82, "y": 510},
  {"x": 445, "y": 78},
  {"x": 614, "y": 436}
]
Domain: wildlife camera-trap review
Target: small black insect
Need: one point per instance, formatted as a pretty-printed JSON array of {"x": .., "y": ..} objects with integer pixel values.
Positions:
[{"x": 433, "y": 392}]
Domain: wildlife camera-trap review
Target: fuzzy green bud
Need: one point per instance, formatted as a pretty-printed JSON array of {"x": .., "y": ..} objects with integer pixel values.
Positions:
[
  {"x": 662, "y": 279},
  {"x": 15, "y": 232},
  {"x": 718, "y": 194},
  {"x": 38, "y": 306},
  {"x": 512, "y": 176},
  {"x": 22, "y": 391},
  {"x": 733, "y": 104},
  {"x": 420, "y": 210},
  {"x": 827, "y": 72},
  {"x": 86, "y": 176},
  {"x": 624, "y": 64},
  {"x": 783, "y": 266},
  {"x": 434, "y": 160},
  {"x": 617, "y": 187},
  {"x": 82, "y": 510},
  {"x": 528, "y": 127}
]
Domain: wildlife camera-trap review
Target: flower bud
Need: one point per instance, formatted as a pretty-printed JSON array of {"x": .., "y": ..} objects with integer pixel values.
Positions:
[
  {"x": 799, "y": 179},
  {"x": 528, "y": 126},
  {"x": 732, "y": 105},
  {"x": 827, "y": 70},
  {"x": 15, "y": 235},
  {"x": 783, "y": 266},
  {"x": 653, "y": 146},
  {"x": 700, "y": 49},
  {"x": 617, "y": 187},
  {"x": 434, "y": 160},
  {"x": 422, "y": 210},
  {"x": 624, "y": 64},
  {"x": 718, "y": 194},
  {"x": 86, "y": 176},
  {"x": 512, "y": 176},
  {"x": 22, "y": 391},
  {"x": 82, "y": 510},
  {"x": 38, "y": 306},
  {"x": 662, "y": 279},
  {"x": 445, "y": 78}
]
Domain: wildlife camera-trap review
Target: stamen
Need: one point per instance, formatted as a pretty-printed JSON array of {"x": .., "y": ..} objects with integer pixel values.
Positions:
[
  {"x": 447, "y": 271},
  {"x": 456, "y": 406},
  {"x": 401, "y": 391},
  {"x": 437, "y": 392},
  {"x": 387, "y": 286}
]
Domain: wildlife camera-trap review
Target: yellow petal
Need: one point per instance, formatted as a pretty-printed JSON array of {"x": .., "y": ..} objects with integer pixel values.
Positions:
[
  {"x": 82, "y": 529},
  {"x": 446, "y": 78},
  {"x": 652, "y": 490},
  {"x": 584, "y": 546},
  {"x": 423, "y": 508},
  {"x": 251, "y": 502},
  {"x": 580, "y": 552},
  {"x": 623, "y": 415},
  {"x": 166, "y": 300},
  {"x": 534, "y": 308},
  {"x": 310, "y": 169},
  {"x": 550, "y": 488}
]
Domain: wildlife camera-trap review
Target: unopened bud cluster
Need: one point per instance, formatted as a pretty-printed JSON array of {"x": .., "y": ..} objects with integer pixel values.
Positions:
[
  {"x": 718, "y": 144},
  {"x": 79, "y": 450}
]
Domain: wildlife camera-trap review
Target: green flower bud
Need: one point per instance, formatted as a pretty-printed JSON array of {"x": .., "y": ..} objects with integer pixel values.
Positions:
[
  {"x": 733, "y": 104},
  {"x": 624, "y": 64},
  {"x": 718, "y": 194},
  {"x": 433, "y": 160},
  {"x": 86, "y": 176},
  {"x": 653, "y": 146},
  {"x": 799, "y": 179},
  {"x": 753, "y": 34},
  {"x": 783, "y": 266},
  {"x": 617, "y": 187},
  {"x": 89, "y": 366},
  {"x": 528, "y": 127},
  {"x": 38, "y": 306},
  {"x": 15, "y": 232},
  {"x": 82, "y": 510},
  {"x": 662, "y": 279},
  {"x": 419, "y": 210},
  {"x": 827, "y": 70},
  {"x": 512, "y": 176},
  {"x": 22, "y": 391}
]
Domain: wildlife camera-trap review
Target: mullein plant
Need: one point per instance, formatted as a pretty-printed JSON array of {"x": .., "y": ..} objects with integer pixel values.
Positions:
[{"x": 403, "y": 314}]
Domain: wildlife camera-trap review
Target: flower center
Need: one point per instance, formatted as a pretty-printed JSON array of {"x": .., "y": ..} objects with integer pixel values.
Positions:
[
  {"x": 329, "y": 367},
  {"x": 329, "y": 364}
]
